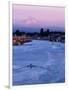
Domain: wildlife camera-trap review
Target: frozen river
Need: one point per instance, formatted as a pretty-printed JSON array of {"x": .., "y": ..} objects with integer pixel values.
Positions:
[{"x": 38, "y": 62}]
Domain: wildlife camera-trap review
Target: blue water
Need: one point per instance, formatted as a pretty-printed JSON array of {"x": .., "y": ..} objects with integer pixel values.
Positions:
[{"x": 38, "y": 62}]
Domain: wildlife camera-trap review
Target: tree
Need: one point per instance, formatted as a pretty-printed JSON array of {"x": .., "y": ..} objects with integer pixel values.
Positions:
[{"x": 17, "y": 33}]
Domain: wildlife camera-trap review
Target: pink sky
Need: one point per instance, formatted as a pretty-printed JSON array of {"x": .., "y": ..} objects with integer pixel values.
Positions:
[{"x": 24, "y": 15}]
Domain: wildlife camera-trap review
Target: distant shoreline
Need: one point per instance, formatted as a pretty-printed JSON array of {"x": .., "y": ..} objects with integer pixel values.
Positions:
[{"x": 20, "y": 38}]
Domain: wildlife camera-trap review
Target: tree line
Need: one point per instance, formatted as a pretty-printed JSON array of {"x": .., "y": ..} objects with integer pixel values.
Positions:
[{"x": 42, "y": 33}]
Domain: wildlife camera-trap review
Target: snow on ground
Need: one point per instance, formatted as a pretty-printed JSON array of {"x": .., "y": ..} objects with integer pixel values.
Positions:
[{"x": 38, "y": 62}]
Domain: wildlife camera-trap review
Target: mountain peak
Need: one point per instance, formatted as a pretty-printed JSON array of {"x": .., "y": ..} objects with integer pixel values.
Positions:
[{"x": 30, "y": 21}]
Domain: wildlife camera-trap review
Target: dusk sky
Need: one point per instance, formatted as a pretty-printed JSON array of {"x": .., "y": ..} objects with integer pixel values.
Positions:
[{"x": 38, "y": 16}]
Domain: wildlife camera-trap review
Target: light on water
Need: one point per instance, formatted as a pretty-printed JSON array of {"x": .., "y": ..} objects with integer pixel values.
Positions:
[{"x": 38, "y": 62}]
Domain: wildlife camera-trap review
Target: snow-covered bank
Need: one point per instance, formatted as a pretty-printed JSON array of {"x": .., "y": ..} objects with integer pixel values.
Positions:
[{"x": 47, "y": 59}]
